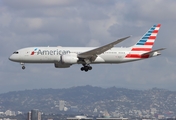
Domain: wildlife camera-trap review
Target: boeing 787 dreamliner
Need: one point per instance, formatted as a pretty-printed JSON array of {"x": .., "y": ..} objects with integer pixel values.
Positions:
[{"x": 64, "y": 57}]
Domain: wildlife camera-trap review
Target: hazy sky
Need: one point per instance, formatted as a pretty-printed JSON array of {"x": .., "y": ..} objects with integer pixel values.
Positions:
[{"x": 25, "y": 23}]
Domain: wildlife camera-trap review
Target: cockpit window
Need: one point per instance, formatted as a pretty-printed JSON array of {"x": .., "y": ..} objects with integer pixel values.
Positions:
[{"x": 15, "y": 52}]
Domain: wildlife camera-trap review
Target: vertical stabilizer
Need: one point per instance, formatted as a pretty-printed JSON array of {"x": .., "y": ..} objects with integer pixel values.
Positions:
[{"x": 147, "y": 41}]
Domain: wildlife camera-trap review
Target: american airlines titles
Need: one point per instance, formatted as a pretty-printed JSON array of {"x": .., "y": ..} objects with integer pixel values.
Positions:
[{"x": 52, "y": 52}]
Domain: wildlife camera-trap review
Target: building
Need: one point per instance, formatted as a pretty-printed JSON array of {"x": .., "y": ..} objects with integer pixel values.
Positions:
[
  {"x": 29, "y": 115},
  {"x": 34, "y": 115},
  {"x": 79, "y": 118},
  {"x": 39, "y": 116},
  {"x": 86, "y": 118},
  {"x": 10, "y": 113},
  {"x": 111, "y": 118},
  {"x": 61, "y": 105}
]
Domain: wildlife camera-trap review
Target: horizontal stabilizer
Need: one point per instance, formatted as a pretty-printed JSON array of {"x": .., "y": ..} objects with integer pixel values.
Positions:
[{"x": 148, "y": 53}]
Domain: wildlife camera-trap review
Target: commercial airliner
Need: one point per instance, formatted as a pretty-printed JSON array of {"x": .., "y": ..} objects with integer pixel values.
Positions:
[{"x": 64, "y": 57}]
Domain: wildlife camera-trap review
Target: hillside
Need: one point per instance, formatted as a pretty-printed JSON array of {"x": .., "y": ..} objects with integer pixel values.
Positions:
[{"x": 88, "y": 98}]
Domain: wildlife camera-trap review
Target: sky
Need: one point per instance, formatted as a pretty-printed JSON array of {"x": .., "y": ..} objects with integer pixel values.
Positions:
[{"x": 81, "y": 23}]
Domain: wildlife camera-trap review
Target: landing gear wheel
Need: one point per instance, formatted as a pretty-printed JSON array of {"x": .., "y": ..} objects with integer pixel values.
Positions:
[
  {"x": 23, "y": 67},
  {"x": 82, "y": 68},
  {"x": 90, "y": 68},
  {"x": 86, "y": 68}
]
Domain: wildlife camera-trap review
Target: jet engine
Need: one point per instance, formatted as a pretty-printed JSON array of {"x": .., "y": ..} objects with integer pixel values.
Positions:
[
  {"x": 59, "y": 65},
  {"x": 69, "y": 59}
]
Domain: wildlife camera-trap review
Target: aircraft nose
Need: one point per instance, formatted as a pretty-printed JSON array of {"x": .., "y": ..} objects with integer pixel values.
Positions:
[{"x": 13, "y": 58}]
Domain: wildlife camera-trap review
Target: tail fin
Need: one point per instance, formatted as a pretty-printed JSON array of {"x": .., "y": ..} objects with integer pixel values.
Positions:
[{"x": 147, "y": 41}]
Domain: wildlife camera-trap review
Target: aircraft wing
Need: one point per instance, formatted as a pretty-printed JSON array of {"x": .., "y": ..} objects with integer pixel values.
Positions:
[{"x": 92, "y": 54}]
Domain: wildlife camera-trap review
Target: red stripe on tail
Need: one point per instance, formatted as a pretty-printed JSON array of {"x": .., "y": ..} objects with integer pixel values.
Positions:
[
  {"x": 152, "y": 37},
  {"x": 155, "y": 31},
  {"x": 159, "y": 25},
  {"x": 141, "y": 49},
  {"x": 149, "y": 43}
]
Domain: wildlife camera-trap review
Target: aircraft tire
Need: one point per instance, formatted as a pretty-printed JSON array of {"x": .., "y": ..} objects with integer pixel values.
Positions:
[
  {"x": 90, "y": 68},
  {"x": 23, "y": 67},
  {"x": 82, "y": 68},
  {"x": 86, "y": 68}
]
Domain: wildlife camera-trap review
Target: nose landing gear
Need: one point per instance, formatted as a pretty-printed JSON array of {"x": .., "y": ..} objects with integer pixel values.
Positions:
[
  {"x": 23, "y": 67},
  {"x": 86, "y": 68}
]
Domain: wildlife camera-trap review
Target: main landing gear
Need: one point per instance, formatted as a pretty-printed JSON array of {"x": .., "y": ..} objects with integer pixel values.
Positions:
[
  {"x": 23, "y": 67},
  {"x": 86, "y": 68}
]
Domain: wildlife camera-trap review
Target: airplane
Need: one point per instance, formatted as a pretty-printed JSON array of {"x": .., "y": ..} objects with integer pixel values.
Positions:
[{"x": 64, "y": 57}]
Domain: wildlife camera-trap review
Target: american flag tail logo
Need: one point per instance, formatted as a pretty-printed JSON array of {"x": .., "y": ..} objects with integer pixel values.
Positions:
[{"x": 147, "y": 41}]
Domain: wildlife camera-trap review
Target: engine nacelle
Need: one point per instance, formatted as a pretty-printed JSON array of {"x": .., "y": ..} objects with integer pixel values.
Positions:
[
  {"x": 69, "y": 59},
  {"x": 59, "y": 65}
]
